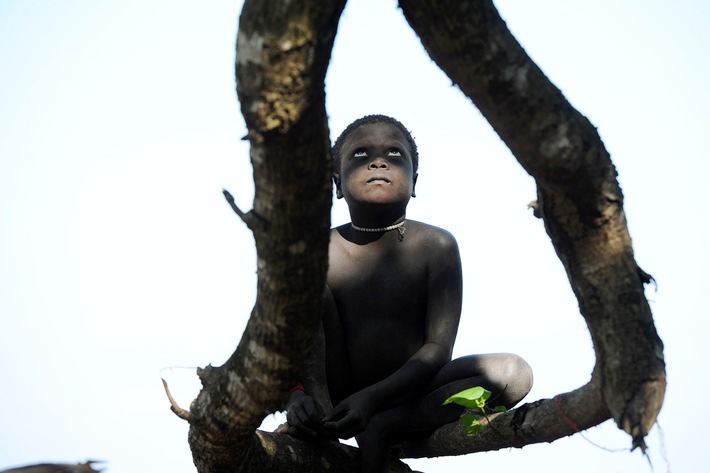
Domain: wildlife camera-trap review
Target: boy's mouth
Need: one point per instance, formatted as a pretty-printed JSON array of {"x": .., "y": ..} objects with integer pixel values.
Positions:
[{"x": 378, "y": 178}]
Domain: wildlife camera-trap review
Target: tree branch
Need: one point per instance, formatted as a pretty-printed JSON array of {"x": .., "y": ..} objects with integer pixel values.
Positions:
[
  {"x": 579, "y": 197},
  {"x": 283, "y": 49},
  {"x": 545, "y": 420}
]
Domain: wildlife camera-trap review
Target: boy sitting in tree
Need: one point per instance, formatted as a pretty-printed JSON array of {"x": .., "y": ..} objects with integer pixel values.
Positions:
[{"x": 392, "y": 309}]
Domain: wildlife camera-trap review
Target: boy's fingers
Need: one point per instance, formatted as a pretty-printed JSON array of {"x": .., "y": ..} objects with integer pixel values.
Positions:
[
  {"x": 297, "y": 417},
  {"x": 314, "y": 411},
  {"x": 303, "y": 425},
  {"x": 346, "y": 427},
  {"x": 307, "y": 411},
  {"x": 306, "y": 417},
  {"x": 343, "y": 431},
  {"x": 335, "y": 414},
  {"x": 298, "y": 425}
]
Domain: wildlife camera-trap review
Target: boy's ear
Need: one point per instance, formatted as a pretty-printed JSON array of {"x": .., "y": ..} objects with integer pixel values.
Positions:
[
  {"x": 414, "y": 184},
  {"x": 338, "y": 190}
]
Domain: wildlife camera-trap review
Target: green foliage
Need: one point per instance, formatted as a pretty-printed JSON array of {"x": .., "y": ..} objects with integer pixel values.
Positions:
[
  {"x": 473, "y": 398},
  {"x": 472, "y": 423}
]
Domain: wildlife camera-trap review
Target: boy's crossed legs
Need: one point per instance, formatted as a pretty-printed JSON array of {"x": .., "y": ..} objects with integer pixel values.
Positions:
[{"x": 507, "y": 376}]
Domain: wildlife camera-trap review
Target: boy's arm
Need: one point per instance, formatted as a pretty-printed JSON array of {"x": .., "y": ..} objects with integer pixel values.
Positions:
[
  {"x": 313, "y": 372},
  {"x": 444, "y": 289},
  {"x": 308, "y": 403}
]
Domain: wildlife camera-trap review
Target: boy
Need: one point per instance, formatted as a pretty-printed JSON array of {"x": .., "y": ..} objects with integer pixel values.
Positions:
[{"x": 393, "y": 304}]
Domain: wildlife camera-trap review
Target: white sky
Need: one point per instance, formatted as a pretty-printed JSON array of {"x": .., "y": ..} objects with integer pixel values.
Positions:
[{"x": 119, "y": 126}]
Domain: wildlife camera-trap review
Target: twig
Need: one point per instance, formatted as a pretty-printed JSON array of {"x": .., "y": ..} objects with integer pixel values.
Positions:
[
  {"x": 179, "y": 411},
  {"x": 230, "y": 199},
  {"x": 251, "y": 219}
]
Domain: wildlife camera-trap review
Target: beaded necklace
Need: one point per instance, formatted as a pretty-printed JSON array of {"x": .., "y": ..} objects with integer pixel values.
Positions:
[{"x": 397, "y": 226}]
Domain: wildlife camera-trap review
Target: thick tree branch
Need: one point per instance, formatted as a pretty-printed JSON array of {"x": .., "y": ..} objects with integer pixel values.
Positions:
[
  {"x": 283, "y": 50},
  {"x": 545, "y": 420},
  {"x": 578, "y": 195}
]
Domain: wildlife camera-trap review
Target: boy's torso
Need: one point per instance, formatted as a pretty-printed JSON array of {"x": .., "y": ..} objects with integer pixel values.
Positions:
[{"x": 380, "y": 289}]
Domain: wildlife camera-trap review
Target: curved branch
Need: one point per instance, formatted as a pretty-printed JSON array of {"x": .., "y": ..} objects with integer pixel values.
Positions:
[
  {"x": 283, "y": 49},
  {"x": 541, "y": 421},
  {"x": 579, "y": 198},
  {"x": 545, "y": 420}
]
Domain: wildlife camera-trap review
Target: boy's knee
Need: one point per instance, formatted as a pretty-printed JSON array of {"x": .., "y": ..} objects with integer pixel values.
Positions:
[{"x": 518, "y": 378}]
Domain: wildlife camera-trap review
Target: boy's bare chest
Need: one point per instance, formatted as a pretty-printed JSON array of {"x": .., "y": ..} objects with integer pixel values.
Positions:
[
  {"x": 381, "y": 297},
  {"x": 377, "y": 280}
]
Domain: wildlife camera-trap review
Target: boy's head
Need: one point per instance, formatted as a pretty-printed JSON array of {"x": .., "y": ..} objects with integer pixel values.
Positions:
[
  {"x": 369, "y": 120},
  {"x": 375, "y": 160}
]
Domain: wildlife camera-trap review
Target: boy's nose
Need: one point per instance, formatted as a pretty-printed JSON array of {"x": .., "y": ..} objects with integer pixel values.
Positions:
[{"x": 378, "y": 164}]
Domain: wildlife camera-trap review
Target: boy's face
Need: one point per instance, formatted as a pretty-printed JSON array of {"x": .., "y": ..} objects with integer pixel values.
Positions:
[{"x": 376, "y": 166}]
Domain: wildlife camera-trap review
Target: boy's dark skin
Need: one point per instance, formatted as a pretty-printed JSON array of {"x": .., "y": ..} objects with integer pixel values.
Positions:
[{"x": 393, "y": 305}]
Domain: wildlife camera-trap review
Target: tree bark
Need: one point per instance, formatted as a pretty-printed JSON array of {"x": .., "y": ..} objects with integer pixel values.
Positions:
[
  {"x": 579, "y": 198},
  {"x": 283, "y": 51}
]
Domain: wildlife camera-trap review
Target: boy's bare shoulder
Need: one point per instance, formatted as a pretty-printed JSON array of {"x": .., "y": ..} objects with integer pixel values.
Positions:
[{"x": 429, "y": 235}]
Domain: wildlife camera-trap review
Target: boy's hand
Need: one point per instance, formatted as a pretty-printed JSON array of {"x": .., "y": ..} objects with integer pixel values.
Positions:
[
  {"x": 351, "y": 416},
  {"x": 305, "y": 416}
]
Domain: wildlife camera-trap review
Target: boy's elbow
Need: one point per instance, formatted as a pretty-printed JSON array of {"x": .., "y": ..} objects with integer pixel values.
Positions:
[{"x": 440, "y": 355}]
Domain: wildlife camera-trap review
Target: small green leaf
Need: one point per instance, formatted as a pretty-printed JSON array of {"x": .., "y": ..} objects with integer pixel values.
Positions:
[
  {"x": 474, "y": 430},
  {"x": 500, "y": 409},
  {"x": 472, "y": 424},
  {"x": 468, "y": 420},
  {"x": 471, "y": 397}
]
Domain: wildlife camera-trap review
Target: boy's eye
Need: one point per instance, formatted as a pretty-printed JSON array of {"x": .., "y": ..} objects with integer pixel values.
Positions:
[
  {"x": 360, "y": 153},
  {"x": 394, "y": 152}
]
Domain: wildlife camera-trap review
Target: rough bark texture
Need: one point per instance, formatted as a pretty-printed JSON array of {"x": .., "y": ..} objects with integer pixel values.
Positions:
[
  {"x": 545, "y": 420},
  {"x": 579, "y": 197},
  {"x": 283, "y": 51}
]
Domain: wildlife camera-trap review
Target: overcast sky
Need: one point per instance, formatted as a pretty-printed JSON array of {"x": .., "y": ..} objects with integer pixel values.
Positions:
[{"x": 120, "y": 260}]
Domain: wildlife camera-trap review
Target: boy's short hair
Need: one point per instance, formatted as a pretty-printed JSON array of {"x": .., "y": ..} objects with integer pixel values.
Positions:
[{"x": 369, "y": 120}]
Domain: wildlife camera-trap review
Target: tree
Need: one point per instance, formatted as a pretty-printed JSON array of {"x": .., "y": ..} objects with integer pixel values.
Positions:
[{"x": 283, "y": 50}]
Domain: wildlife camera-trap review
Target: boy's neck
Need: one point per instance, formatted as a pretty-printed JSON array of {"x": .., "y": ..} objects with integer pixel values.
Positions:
[
  {"x": 376, "y": 221},
  {"x": 378, "y": 229}
]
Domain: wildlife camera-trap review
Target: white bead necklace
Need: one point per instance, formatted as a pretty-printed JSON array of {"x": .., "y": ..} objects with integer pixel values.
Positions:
[{"x": 397, "y": 226}]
